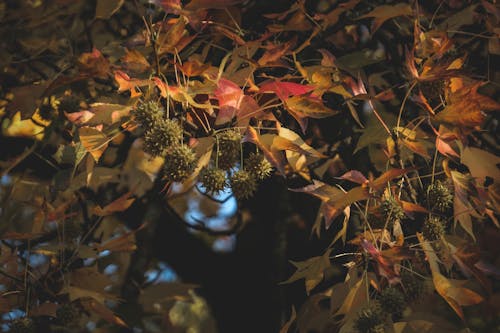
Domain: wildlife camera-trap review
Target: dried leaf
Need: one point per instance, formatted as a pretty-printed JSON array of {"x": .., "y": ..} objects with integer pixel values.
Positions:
[
  {"x": 302, "y": 106},
  {"x": 119, "y": 205},
  {"x": 386, "y": 12},
  {"x": 106, "y": 8},
  {"x": 451, "y": 290},
  {"x": 481, "y": 163},
  {"x": 102, "y": 311},
  {"x": 94, "y": 141},
  {"x": 286, "y": 327},
  {"x": 312, "y": 270}
]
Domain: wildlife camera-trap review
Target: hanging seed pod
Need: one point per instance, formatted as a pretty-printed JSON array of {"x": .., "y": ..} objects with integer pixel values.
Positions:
[
  {"x": 243, "y": 184},
  {"x": 147, "y": 114},
  {"x": 433, "y": 228},
  {"x": 258, "y": 166},
  {"x": 180, "y": 162},
  {"x": 213, "y": 180},
  {"x": 229, "y": 145},
  {"x": 161, "y": 136},
  {"x": 370, "y": 320},
  {"x": 439, "y": 196}
]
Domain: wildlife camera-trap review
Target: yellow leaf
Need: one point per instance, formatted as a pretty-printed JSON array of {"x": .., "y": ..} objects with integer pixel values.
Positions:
[
  {"x": 94, "y": 141},
  {"x": 304, "y": 106},
  {"x": 21, "y": 128}
]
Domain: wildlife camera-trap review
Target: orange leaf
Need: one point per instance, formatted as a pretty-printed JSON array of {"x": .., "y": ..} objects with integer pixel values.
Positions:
[
  {"x": 119, "y": 205},
  {"x": 102, "y": 311},
  {"x": 135, "y": 61},
  {"x": 94, "y": 64},
  {"x": 94, "y": 141}
]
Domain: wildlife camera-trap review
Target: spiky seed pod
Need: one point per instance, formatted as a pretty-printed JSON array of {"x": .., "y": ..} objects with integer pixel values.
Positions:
[
  {"x": 67, "y": 315},
  {"x": 439, "y": 196},
  {"x": 22, "y": 325},
  {"x": 258, "y": 166},
  {"x": 180, "y": 162},
  {"x": 413, "y": 286},
  {"x": 69, "y": 104},
  {"x": 392, "y": 301},
  {"x": 147, "y": 114},
  {"x": 243, "y": 184},
  {"x": 432, "y": 90},
  {"x": 391, "y": 210},
  {"x": 213, "y": 180},
  {"x": 370, "y": 320},
  {"x": 161, "y": 135},
  {"x": 229, "y": 145},
  {"x": 433, "y": 228}
]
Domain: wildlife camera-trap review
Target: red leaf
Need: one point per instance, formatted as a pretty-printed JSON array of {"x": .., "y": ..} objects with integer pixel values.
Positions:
[
  {"x": 285, "y": 89},
  {"x": 354, "y": 176},
  {"x": 385, "y": 266}
]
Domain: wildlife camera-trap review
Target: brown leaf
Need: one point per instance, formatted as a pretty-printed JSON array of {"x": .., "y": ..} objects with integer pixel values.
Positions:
[
  {"x": 102, "y": 311},
  {"x": 465, "y": 108},
  {"x": 309, "y": 107},
  {"x": 135, "y": 61},
  {"x": 119, "y": 205},
  {"x": 94, "y": 64},
  {"x": 288, "y": 324},
  {"x": 481, "y": 163},
  {"x": 451, "y": 290},
  {"x": 94, "y": 141},
  {"x": 312, "y": 270},
  {"x": 106, "y": 8},
  {"x": 25, "y": 99},
  {"x": 386, "y": 12}
]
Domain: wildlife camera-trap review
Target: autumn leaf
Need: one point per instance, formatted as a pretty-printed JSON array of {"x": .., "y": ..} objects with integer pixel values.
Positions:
[
  {"x": 107, "y": 114},
  {"x": 302, "y": 106},
  {"x": 25, "y": 99},
  {"x": 354, "y": 176},
  {"x": 16, "y": 127},
  {"x": 452, "y": 291},
  {"x": 311, "y": 270},
  {"x": 135, "y": 61},
  {"x": 386, "y": 12},
  {"x": 92, "y": 305},
  {"x": 119, "y": 205},
  {"x": 94, "y": 141},
  {"x": 285, "y": 328},
  {"x": 274, "y": 52},
  {"x": 126, "y": 83},
  {"x": 481, "y": 163},
  {"x": 94, "y": 64},
  {"x": 386, "y": 267},
  {"x": 106, "y": 8},
  {"x": 465, "y": 108},
  {"x": 285, "y": 89}
]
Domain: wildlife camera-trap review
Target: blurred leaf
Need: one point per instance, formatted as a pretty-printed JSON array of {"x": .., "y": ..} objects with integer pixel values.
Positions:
[
  {"x": 119, "y": 205},
  {"x": 386, "y": 12},
  {"x": 106, "y": 8},
  {"x": 102, "y": 311}
]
